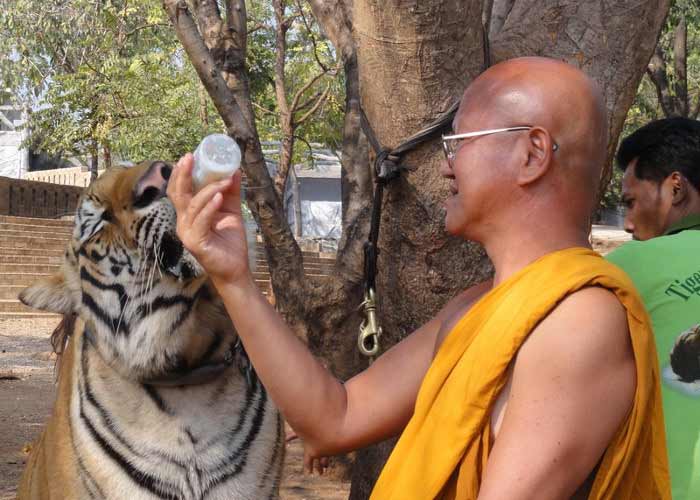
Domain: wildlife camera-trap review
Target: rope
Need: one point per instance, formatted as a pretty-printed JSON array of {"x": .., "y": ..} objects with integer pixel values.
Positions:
[{"x": 387, "y": 167}]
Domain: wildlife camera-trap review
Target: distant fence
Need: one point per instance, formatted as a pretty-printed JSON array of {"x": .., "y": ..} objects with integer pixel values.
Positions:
[
  {"x": 37, "y": 199},
  {"x": 72, "y": 176}
]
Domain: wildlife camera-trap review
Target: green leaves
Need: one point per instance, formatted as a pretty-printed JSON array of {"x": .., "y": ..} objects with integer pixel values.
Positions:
[
  {"x": 108, "y": 74},
  {"x": 112, "y": 75}
]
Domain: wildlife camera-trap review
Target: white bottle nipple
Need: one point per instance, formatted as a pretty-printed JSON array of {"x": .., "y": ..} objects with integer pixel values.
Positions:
[{"x": 217, "y": 157}]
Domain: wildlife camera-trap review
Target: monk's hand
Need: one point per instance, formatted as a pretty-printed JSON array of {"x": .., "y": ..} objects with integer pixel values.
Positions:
[
  {"x": 318, "y": 464},
  {"x": 311, "y": 462},
  {"x": 210, "y": 223}
]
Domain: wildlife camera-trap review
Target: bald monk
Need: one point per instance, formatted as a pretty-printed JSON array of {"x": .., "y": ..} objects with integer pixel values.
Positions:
[{"x": 541, "y": 384}]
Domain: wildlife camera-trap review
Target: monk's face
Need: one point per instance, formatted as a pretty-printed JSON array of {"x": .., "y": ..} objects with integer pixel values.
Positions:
[
  {"x": 648, "y": 204},
  {"x": 479, "y": 174}
]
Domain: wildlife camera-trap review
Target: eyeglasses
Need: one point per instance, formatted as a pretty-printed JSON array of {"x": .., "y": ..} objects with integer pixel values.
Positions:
[{"x": 450, "y": 142}]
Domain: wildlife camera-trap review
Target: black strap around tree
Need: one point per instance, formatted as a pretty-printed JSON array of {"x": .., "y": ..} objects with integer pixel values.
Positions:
[{"x": 387, "y": 167}]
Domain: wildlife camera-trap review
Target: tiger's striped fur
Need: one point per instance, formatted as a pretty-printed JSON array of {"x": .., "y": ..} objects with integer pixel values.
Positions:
[{"x": 156, "y": 398}]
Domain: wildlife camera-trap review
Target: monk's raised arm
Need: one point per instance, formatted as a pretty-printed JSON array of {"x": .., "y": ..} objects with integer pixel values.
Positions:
[
  {"x": 329, "y": 416},
  {"x": 572, "y": 386}
]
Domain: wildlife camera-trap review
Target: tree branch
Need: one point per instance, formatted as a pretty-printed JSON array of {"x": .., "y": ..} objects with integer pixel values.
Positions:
[
  {"x": 310, "y": 32},
  {"x": 203, "y": 63},
  {"x": 315, "y": 107},
  {"x": 680, "y": 55},
  {"x": 335, "y": 20},
  {"x": 231, "y": 96},
  {"x": 657, "y": 74},
  {"x": 280, "y": 62},
  {"x": 303, "y": 89},
  {"x": 145, "y": 27},
  {"x": 236, "y": 16},
  {"x": 264, "y": 110}
]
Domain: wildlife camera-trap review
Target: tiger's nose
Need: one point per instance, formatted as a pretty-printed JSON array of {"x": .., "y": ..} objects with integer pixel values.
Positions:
[{"x": 153, "y": 184}]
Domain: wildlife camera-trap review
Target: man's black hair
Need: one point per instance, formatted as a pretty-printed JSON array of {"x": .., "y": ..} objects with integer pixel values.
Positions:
[{"x": 663, "y": 147}]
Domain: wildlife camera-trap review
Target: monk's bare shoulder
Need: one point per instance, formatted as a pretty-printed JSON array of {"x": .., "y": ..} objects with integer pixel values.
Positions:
[
  {"x": 456, "y": 308},
  {"x": 571, "y": 388}
]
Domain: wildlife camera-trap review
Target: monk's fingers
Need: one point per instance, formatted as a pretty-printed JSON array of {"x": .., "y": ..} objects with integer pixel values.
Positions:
[
  {"x": 202, "y": 223},
  {"x": 308, "y": 464},
  {"x": 321, "y": 464},
  {"x": 204, "y": 196},
  {"x": 232, "y": 194},
  {"x": 180, "y": 184}
]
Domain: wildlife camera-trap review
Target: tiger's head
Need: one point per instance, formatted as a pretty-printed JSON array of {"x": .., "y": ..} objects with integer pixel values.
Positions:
[{"x": 146, "y": 304}]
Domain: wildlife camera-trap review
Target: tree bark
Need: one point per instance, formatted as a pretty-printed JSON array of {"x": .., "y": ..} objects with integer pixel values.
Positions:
[
  {"x": 499, "y": 14},
  {"x": 611, "y": 41},
  {"x": 676, "y": 101},
  {"x": 657, "y": 74},
  {"x": 415, "y": 58},
  {"x": 107, "y": 156},
  {"x": 680, "y": 56},
  {"x": 203, "y": 113},
  {"x": 94, "y": 159}
]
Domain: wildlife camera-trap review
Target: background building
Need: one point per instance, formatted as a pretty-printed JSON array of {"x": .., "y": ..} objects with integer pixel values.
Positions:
[{"x": 14, "y": 160}]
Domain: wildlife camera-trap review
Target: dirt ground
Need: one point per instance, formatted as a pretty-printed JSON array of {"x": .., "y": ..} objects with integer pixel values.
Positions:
[{"x": 26, "y": 399}]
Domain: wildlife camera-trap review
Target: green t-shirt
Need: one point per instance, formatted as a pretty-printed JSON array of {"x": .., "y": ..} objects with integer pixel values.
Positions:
[{"x": 666, "y": 271}]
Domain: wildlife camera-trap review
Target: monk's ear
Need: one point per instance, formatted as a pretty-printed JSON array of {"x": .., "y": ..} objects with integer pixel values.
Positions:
[
  {"x": 49, "y": 294},
  {"x": 540, "y": 148}
]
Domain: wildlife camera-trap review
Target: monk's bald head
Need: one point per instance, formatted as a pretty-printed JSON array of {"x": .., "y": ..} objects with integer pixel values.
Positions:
[{"x": 547, "y": 93}]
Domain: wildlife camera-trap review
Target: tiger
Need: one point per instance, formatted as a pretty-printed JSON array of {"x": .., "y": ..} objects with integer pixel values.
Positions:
[{"x": 156, "y": 398}]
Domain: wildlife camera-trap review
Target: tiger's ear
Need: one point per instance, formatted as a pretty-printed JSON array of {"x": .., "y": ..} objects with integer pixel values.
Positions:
[{"x": 49, "y": 294}]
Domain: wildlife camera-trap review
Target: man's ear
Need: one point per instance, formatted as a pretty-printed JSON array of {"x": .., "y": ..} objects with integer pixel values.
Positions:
[
  {"x": 679, "y": 187},
  {"x": 49, "y": 294},
  {"x": 539, "y": 155}
]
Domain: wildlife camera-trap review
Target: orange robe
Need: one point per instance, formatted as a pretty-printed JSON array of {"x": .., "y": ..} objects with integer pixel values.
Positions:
[{"x": 443, "y": 451}]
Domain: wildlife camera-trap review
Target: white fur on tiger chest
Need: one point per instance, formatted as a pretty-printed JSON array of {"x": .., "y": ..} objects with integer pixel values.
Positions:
[{"x": 222, "y": 441}]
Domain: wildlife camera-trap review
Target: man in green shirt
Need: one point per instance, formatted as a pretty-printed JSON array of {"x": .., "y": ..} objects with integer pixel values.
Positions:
[{"x": 661, "y": 190}]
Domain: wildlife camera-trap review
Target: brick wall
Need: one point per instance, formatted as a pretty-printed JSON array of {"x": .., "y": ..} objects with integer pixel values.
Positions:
[{"x": 37, "y": 199}]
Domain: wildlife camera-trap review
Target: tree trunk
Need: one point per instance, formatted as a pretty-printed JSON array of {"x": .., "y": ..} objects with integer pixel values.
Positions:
[
  {"x": 285, "y": 162},
  {"x": 94, "y": 156},
  {"x": 296, "y": 199},
  {"x": 680, "y": 58},
  {"x": 203, "y": 113},
  {"x": 499, "y": 14},
  {"x": 107, "y": 156},
  {"x": 415, "y": 58}
]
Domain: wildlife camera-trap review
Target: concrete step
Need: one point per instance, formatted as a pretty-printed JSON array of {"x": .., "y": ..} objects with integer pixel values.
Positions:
[
  {"x": 10, "y": 292},
  {"x": 28, "y": 315},
  {"x": 34, "y": 221},
  {"x": 56, "y": 234},
  {"x": 28, "y": 269},
  {"x": 21, "y": 279},
  {"x": 56, "y": 259},
  {"x": 32, "y": 228},
  {"x": 42, "y": 235},
  {"x": 54, "y": 244},
  {"x": 15, "y": 306},
  {"x": 5, "y": 249}
]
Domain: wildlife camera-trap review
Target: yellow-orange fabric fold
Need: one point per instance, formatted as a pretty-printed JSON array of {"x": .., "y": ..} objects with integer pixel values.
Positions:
[{"x": 443, "y": 451}]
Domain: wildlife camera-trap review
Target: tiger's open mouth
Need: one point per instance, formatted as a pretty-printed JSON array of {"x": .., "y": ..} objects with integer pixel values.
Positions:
[{"x": 175, "y": 260}]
